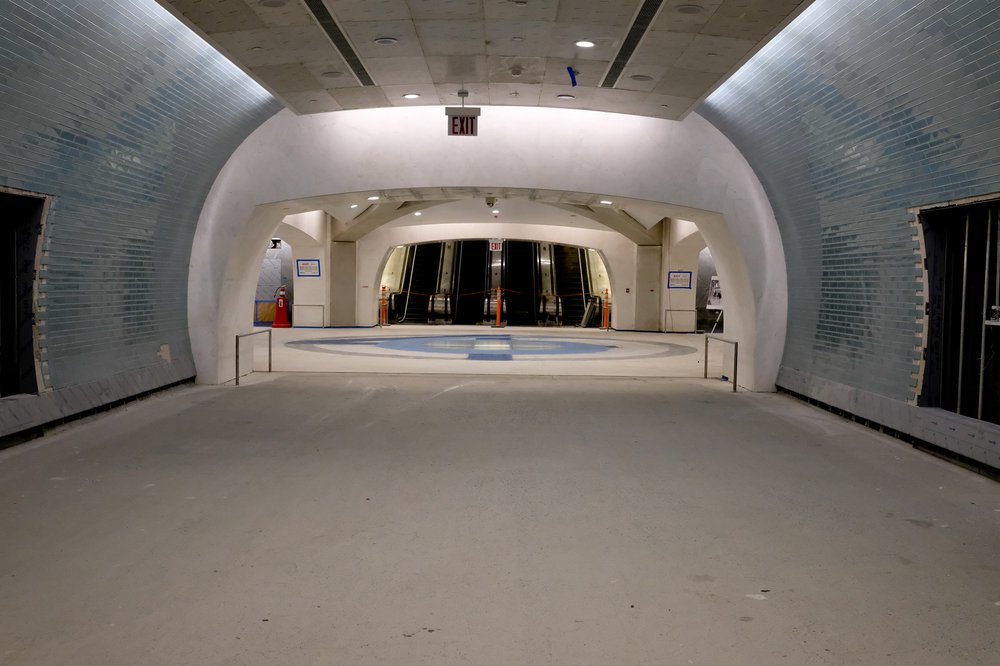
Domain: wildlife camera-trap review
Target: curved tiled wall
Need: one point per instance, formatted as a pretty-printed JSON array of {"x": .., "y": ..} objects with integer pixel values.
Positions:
[
  {"x": 125, "y": 118},
  {"x": 858, "y": 111}
]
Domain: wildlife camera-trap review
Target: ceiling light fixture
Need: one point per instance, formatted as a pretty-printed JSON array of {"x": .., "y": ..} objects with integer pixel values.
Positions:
[
  {"x": 411, "y": 96},
  {"x": 496, "y": 211},
  {"x": 386, "y": 41},
  {"x": 373, "y": 198},
  {"x": 606, "y": 202},
  {"x": 517, "y": 38},
  {"x": 418, "y": 213},
  {"x": 712, "y": 55},
  {"x": 565, "y": 96},
  {"x": 354, "y": 205},
  {"x": 272, "y": 3},
  {"x": 689, "y": 9},
  {"x": 585, "y": 44},
  {"x": 641, "y": 77},
  {"x": 256, "y": 48},
  {"x": 332, "y": 74}
]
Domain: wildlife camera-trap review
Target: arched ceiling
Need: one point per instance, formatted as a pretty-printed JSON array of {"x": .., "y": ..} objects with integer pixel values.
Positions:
[{"x": 655, "y": 58}]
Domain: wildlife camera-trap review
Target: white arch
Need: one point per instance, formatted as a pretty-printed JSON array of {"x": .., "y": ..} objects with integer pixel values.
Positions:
[{"x": 688, "y": 166}]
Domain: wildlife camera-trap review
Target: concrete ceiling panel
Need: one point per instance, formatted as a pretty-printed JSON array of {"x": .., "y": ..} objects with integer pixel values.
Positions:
[
  {"x": 364, "y": 33},
  {"x": 311, "y": 101},
  {"x": 514, "y": 94},
  {"x": 446, "y": 9},
  {"x": 588, "y": 72},
  {"x": 220, "y": 16},
  {"x": 292, "y": 77},
  {"x": 398, "y": 71},
  {"x": 678, "y": 15},
  {"x": 605, "y": 12},
  {"x": 515, "y": 69},
  {"x": 714, "y": 54},
  {"x": 527, "y": 38},
  {"x": 275, "y": 46},
  {"x": 452, "y": 37},
  {"x": 369, "y": 10},
  {"x": 360, "y": 98},
  {"x": 660, "y": 47},
  {"x": 536, "y": 10},
  {"x": 292, "y": 13},
  {"x": 457, "y": 68},
  {"x": 685, "y": 82},
  {"x": 427, "y": 91}
]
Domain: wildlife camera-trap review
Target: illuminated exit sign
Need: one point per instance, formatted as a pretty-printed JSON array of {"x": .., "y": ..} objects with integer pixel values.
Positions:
[{"x": 462, "y": 121}]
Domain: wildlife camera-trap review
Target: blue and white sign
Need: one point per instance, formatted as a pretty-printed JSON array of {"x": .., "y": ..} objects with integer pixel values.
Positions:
[
  {"x": 679, "y": 280},
  {"x": 307, "y": 267}
]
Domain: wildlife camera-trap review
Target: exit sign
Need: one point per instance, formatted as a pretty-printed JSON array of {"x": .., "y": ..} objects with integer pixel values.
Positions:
[
  {"x": 462, "y": 126},
  {"x": 462, "y": 121}
]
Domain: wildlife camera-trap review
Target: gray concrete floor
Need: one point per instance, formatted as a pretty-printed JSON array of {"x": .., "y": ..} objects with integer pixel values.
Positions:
[{"x": 434, "y": 519}]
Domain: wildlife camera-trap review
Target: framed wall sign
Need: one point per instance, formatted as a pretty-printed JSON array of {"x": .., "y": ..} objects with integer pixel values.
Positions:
[
  {"x": 679, "y": 280},
  {"x": 307, "y": 267}
]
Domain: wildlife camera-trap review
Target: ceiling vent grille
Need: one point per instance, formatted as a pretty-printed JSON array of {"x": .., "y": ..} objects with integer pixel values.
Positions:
[
  {"x": 336, "y": 35},
  {"x": 639, "y": 27}
]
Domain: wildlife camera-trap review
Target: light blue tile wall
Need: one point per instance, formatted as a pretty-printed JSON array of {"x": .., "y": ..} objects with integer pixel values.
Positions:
[
  {"x": 856, "y": 112},
  {"x": 125, "y": 117}
]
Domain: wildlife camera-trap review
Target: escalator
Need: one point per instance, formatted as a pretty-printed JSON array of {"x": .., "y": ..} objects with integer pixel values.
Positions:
[
  {"x": 471, "y": 274},
  {"x": 455, "y": 282},
  {"x": 423, "y": 269},
  {"x": 520, "y": 279},
  {"x": 573, "y": 288}
]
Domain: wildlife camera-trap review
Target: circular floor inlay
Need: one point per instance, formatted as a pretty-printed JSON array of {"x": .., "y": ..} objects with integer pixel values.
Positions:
[{"x": 481, "y": 347}]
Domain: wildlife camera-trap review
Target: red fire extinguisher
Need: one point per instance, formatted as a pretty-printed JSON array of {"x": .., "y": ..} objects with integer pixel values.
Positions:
[{"x": 281, "y": 310}]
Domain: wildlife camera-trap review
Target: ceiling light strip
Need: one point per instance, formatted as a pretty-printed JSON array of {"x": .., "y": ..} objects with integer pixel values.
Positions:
[
  {"x": 635, "y": 34},
  {"x": 336, "y": 35}
]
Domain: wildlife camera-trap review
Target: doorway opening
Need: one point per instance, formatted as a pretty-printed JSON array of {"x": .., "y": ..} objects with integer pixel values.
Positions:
[
  {"x": 961, "y": 367},
  {"x": 20, "y": 229},
  {"x": 456, "y": 282}
]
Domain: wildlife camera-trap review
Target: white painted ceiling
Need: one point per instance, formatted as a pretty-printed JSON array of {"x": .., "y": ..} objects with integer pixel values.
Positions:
[{"x": 503, "y": 52}]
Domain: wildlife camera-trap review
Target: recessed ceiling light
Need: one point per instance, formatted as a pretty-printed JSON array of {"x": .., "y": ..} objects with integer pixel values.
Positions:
[
  {"x": 712, "y": 55},
  {"x": 641, "y": 77},
  {"x": 411, "y": 96},
  {"x": 418, "y": 213},
  {"x": 606, "y": 202},
  {"x": 665, "y": 106},
  {"x": 517, "y": 38},
  {"x": 256, "y": 48},
  {"x": 314, "y": 100},
  {"x": 373, "y": 198},
  {"x": 689, "y": 9},
  {"x": 496, "y": 211},
  {"x": 520, "y": 3},
  {"x": 386, "y": 41},
  {"x": 585, "y": 44},
  {"x": 332, "y": 74},
  {"x": 565, "y": 96},
  {"x": 272, "y": 3},
  {"x": 354, "y": 205}
]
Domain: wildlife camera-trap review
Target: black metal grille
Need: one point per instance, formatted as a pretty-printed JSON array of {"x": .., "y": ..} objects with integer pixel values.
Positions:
[
  {"x": 642, "y": 21},
  {"x": 336, "y": 35}
]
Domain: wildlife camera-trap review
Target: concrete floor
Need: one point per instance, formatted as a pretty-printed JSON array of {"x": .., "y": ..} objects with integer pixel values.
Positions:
[{"x": 435, "y": 519}]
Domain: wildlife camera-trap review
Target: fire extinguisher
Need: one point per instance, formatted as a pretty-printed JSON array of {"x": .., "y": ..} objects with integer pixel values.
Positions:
[{"x": 281, "y": 310}]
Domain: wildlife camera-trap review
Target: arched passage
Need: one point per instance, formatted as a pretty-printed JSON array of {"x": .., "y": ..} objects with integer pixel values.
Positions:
[{"x": 684, "y": 169}]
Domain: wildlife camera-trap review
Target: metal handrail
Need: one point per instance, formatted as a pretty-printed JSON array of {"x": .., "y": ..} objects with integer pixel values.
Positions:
[
  {"x": 246, "y": 335},
  {"x": 736, "y": 355}
]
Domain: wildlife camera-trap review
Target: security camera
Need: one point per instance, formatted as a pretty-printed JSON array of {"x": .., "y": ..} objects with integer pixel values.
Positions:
[{"x": 491, "y": 202}]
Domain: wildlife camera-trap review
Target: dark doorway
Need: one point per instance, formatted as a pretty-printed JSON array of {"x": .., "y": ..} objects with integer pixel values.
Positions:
[
  {"x": 962, "y": 371},
  {"x": 20, "y": 228}
]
